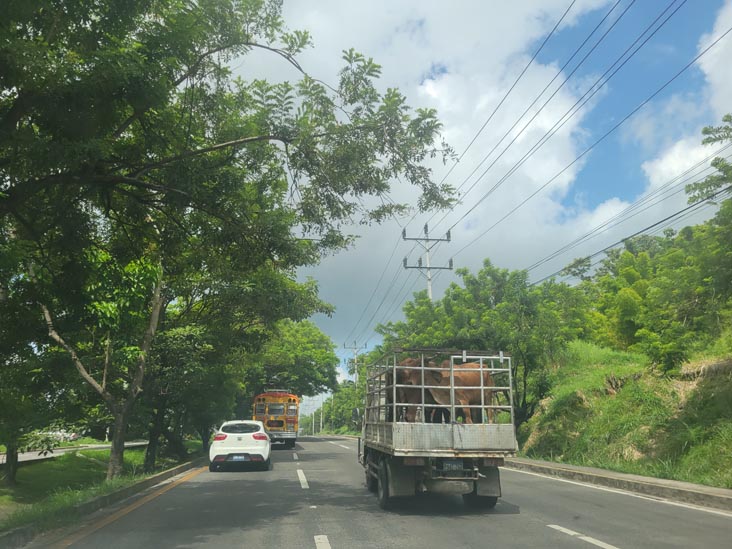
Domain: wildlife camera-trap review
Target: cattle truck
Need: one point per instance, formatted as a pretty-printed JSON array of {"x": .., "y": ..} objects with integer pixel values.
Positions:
[{"x": 437, "y": 421}]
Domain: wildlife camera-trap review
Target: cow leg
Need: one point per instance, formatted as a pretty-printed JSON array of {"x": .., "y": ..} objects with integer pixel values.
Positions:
[{"x": 466, "y": 411}]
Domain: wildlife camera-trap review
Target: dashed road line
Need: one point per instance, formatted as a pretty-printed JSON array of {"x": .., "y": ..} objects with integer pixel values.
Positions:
[
  {"x": 321, "y": 542},
  {"x": 303, "y": 480},
  {"x": 581, "y": 536},
  {"x": 294, "y": 456},
  {"x": 336, "y": 444}
]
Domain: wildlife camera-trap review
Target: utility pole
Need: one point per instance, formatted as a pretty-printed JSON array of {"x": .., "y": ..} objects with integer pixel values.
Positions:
[
  {"x": 355, "y": 349},
  {"x": 427, "y": 244},
  {"x": 321, "y": 413}
]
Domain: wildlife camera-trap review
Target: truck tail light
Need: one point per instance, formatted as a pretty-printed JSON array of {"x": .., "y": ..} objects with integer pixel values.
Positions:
[
  {"x": 259, "y": 436},
  {"x": 219, "y": 436}
]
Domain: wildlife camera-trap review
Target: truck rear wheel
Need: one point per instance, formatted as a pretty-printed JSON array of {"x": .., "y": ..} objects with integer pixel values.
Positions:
[
  {"x": 371, "y": 481},
  {"x": 382, "y": 487}
]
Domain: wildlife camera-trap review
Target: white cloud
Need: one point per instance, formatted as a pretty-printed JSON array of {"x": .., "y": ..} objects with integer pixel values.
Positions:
[
  {"x": 460, "y": 58},
  {"x": 675, "y": 160},
  {"x": 716, "y": 63}
]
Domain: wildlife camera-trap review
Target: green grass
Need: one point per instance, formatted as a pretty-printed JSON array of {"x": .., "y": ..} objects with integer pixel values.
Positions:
[
  {"x": 610, "y": 410},
  {"x": 47, "y": 491}
]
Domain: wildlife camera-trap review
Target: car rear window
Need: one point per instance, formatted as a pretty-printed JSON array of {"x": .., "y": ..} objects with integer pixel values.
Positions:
[{"x": 239, "y": 428}]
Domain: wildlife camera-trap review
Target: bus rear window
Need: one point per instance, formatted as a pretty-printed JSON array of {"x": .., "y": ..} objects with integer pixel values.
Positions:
[
  {"x": 276, "y": 409},
  {"x": 259, "y": 409},
  {"x": 292, "y": 410}
]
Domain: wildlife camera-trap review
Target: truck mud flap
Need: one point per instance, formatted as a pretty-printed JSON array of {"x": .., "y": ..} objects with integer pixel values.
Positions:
[
  {"x": 489, "y": 482},
  {"x": 401, "y": 479}
]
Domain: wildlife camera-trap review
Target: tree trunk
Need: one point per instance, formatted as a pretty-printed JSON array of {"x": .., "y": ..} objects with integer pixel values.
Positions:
[
  {"x": 116, "y": 455},
  {"x": 175, "y": 444},
  {"x": 11, "y": 463},
  {"x": 153, "y": 439},
  {"x": 205, "y": 432}
]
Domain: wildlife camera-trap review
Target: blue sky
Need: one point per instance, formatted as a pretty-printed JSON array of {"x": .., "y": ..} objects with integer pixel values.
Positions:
[
  {"x": 460, "y": 59},
  {"x": 614, "y": 168}
]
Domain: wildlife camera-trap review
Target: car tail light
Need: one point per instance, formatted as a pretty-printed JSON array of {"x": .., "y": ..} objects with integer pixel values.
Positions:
[
  {"x": 259, "y": 436},
  {"x": 219, "y": 436}
]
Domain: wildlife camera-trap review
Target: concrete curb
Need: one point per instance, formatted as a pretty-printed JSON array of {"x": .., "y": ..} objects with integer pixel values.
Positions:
[
  {"x": 684, "y": 492},
  {"x": 24, "y": 534}
]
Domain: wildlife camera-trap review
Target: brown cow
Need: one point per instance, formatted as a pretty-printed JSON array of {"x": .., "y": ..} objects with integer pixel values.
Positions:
[
  {"x": 464, "y": 376},
  {"x": 405, "y": 395}
]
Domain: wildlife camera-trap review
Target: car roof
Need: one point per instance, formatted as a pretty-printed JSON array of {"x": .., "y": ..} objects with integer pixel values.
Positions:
[{"x": 233, "y": 421}]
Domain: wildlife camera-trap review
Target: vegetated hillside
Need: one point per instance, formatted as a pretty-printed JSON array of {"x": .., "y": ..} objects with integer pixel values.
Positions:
[{"x": 609, "y": 409}]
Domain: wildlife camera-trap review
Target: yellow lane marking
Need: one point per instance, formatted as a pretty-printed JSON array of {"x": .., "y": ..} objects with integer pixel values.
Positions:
[{"x": 84, "y": 532}]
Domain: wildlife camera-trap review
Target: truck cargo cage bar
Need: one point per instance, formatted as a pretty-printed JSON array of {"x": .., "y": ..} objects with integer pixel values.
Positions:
[{"x": 412, "y": 397}]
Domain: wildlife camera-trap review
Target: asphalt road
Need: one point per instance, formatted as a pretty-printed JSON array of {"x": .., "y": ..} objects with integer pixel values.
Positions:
[{"x": 315, "y": 497}]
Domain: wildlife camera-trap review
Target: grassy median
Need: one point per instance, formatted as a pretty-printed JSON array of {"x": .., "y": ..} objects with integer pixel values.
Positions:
[{"x": 48, "y": 491}]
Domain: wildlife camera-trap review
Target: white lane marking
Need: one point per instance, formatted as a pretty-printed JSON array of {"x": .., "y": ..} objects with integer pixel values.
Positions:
[
  {"x": 321, "y": 542},
  {"x": 336, "y": 444},
  {"x": 294, "y": 456},
  {"x": 578, "y": 535},
  {"x": 303, "y": 480},
  {"x": 626, "y": 493}
]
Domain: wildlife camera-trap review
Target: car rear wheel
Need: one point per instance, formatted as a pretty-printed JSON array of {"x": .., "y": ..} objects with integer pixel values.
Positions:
[
  {"x": 213, "y": 467},
  {"x": 266, "y": 465}
]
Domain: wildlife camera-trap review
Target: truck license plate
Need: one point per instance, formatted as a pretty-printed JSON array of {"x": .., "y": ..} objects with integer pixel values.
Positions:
[{"x": 452, "y": 465}]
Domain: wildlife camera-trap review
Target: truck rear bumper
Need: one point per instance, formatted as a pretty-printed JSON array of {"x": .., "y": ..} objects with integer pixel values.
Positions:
[{"x": 282, "y": 436}]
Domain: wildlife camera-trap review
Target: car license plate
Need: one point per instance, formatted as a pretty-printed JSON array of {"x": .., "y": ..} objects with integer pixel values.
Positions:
[
  {"x": 452, "y": 465},
  {"x": 240, "y": 458}
]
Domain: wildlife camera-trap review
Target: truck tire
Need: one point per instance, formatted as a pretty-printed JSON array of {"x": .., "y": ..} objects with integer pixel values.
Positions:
[
  {"x": 382, "y": 487},
  {"x": 371, "y": 481},
  {"x": 479, "y": 502}
]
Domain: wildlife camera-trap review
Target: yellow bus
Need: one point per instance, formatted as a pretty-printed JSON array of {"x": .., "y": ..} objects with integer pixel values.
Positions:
[{"x": 279, "y": 411}]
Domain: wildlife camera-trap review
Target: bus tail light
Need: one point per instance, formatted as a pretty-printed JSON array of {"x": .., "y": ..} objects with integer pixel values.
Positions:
[{"x": 219, "y": 436}]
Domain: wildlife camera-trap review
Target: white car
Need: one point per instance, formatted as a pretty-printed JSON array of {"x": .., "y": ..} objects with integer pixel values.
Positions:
[{"x": 241, "y": 441}]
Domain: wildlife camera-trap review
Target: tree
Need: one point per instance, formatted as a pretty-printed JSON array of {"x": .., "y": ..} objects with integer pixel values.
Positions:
[
  {"x": 713, "y": 184},
  {"x": 497, "y": 309},
  {"x": 299, "y": 358},
  {"x": 137, "y": 173}
]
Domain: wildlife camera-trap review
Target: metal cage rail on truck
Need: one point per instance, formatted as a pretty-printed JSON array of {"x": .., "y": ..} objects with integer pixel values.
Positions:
[{"x": 438, "y": 420}]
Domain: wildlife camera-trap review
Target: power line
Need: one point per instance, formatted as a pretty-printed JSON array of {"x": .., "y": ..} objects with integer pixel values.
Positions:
[
  {"x": 601, "y": 139},
  {"x": 690, "y": 209},
  {"x": 620, "y": 217},
  {"x": 475, "y": 137},
  {"x": 515, "y": 82},
  {"x": 527, "y": 109},
  {"x": 574, "y": 109}
]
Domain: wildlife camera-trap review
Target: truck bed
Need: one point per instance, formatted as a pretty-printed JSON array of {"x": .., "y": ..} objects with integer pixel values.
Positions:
[{"x": 441, "y": 440}]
